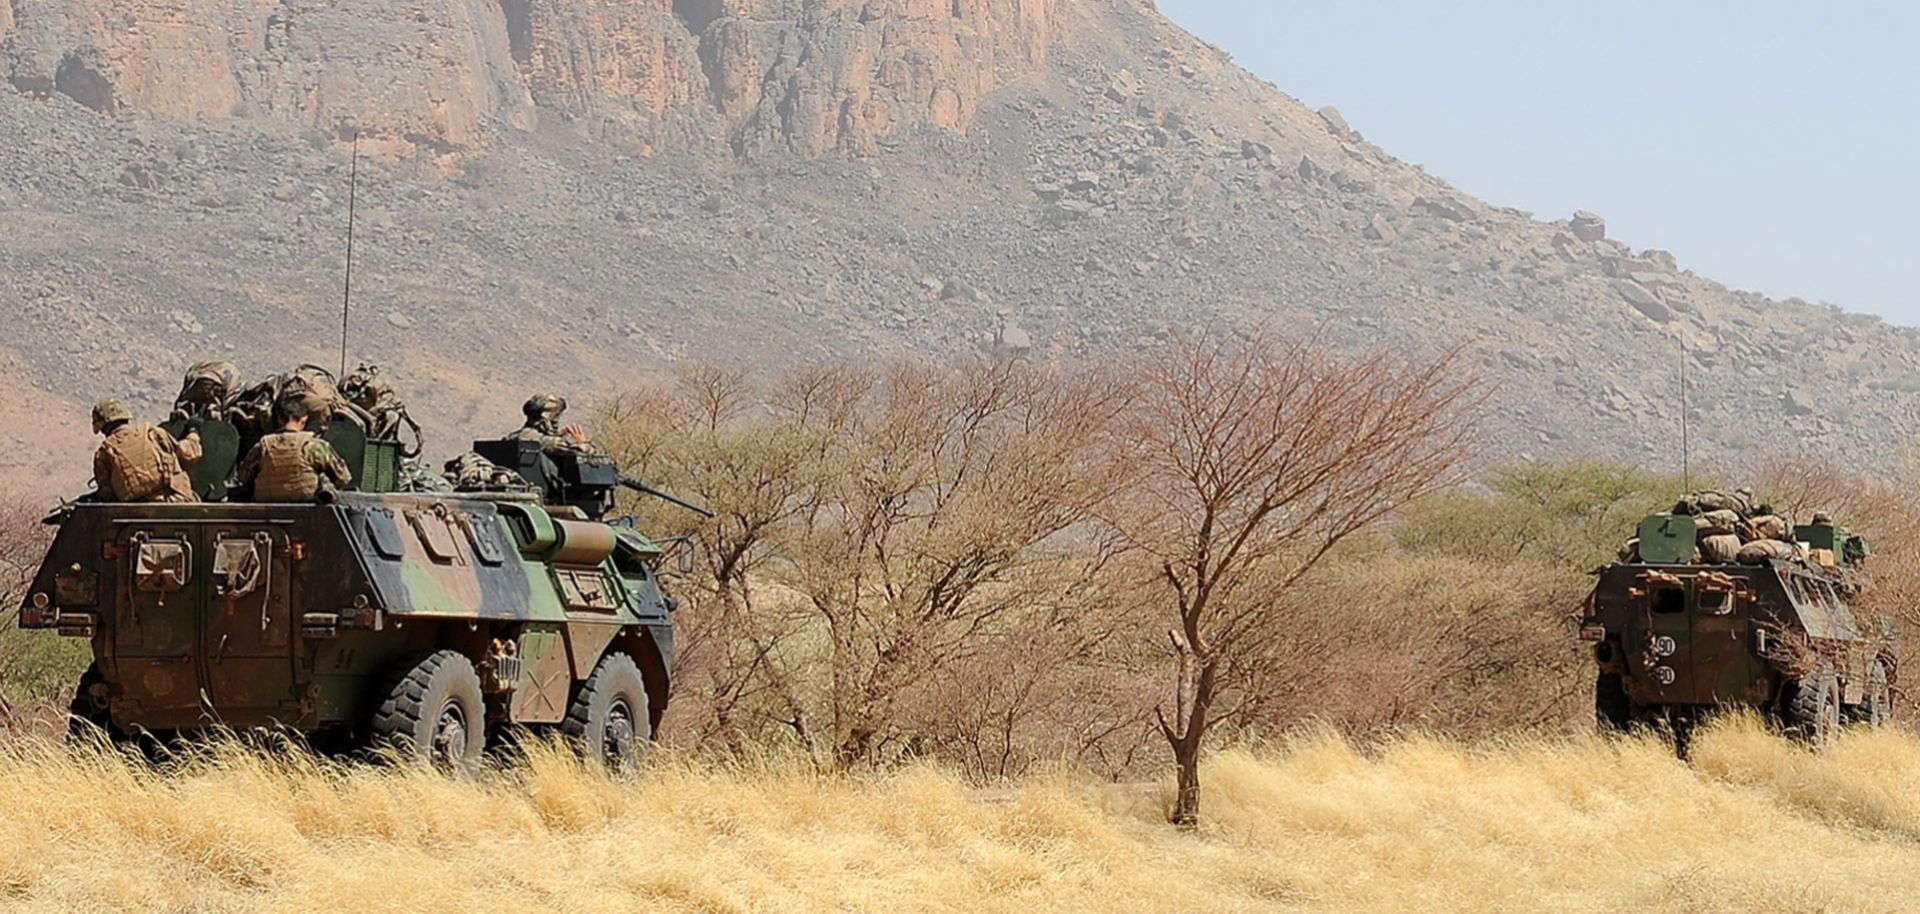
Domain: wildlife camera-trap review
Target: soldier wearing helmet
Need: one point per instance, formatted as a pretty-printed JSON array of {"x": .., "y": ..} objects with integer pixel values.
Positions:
[
  {"x": 293, "y": 465},
  {"x": 139, "y": 461},
  {"x": 543, "y": 413}
]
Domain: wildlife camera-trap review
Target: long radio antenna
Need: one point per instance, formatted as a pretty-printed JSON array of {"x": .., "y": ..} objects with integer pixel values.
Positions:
[
  {"x": 346, "y": 303},
  {"x": 1686, "y": 449}
]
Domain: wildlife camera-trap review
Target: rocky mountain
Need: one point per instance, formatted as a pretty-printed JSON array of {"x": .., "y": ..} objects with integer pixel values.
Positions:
[{"x": 575, "y": 195}]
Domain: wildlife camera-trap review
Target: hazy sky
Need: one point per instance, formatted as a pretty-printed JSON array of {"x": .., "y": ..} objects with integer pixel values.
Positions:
[{"x": 1770, "y": 145}]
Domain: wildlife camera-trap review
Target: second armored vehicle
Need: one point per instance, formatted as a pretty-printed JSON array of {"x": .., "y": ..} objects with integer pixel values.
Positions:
[{"x": 1767, "y": 625}]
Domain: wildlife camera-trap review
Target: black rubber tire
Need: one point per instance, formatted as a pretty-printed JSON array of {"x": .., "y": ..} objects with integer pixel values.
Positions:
[
  {"x": 609, "y": 717},
  {"x": 1813, "y": 710},
  {"x": 87, "y": 720},
  {"x": 1876, "y": 703},
  {"x": 431, "y": 710},
  {"x": 1612, "y": 709},
  {"x": 1680, "y": 727}
]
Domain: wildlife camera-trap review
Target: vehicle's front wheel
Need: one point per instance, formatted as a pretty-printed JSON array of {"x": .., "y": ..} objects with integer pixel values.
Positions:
[
  {"x": 610, "y": 718},
  {"x": 1813, "y": 708},
  {"x": 432, "y": 710},
  {"x": 1876, "y": 705}
]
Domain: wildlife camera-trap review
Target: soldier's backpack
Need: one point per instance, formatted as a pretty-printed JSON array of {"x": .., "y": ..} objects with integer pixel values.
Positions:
[
  {"x": 1769, "y": 527},
  {"x": 207, "y": 390},
  {"x": 1759, "y": 551},
  {"x": 313, "y": 386},
  {"x": 1718, "y": 523},
  {"x": 385, "y": 413},
  {"x": 1720, "y": 549}
]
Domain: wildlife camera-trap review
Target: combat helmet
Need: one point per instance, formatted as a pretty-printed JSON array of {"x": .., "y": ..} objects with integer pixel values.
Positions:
[
  {"x": 544, "y": 408},
  {"x": 108, "y": 413}
]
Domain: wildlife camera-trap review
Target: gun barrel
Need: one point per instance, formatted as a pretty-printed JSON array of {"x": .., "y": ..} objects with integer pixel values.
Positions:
[{"x": 644, "y": 489}]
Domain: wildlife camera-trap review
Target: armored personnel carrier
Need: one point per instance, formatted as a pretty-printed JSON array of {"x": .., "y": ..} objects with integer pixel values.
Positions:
[
  {"x": 1707, "y": 611},
  {"x": 426, "y": 622}
]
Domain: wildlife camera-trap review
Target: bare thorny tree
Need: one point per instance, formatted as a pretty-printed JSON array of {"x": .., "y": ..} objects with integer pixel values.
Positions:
[
  {"x": 22, "y": 541},
  {"x": 941, "y": 558},
  {"x": 943, "y": 526},
  {"x": 1251, "y": 461},
  {"x": 922, "y": 523}
]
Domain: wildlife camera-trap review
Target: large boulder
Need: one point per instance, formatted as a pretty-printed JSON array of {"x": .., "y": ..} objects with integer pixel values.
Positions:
[
  {"x": 1335, "y": 122},
  {"x": 1446, "y": 208},
  {"x": 1588, "y": 227},
  {"x": 1643, "y": 300},
  {"x": 1379, "y": 229}
]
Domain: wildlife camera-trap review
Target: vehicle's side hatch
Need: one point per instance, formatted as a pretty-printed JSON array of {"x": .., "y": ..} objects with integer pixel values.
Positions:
[
  {"x": 1662, "y": 657},
  {"x": 1722, "y": 652}
]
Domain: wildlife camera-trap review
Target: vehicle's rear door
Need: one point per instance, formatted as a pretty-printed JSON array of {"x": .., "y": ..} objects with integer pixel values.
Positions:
[
  {"x": 155, "y": 634},
  {"x": 248, "y": 624}
]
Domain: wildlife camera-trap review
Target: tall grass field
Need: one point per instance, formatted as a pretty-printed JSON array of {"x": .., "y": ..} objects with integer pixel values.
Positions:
[{"x": 1752, "y": 824}]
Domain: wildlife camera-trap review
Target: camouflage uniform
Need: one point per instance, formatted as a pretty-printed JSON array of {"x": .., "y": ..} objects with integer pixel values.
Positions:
[
  {"x": 471, "y": 472},
  {"x": 543, "y": 427},
  {"x": 140, "y": 462},
  {"x": 293, "y": 467}
]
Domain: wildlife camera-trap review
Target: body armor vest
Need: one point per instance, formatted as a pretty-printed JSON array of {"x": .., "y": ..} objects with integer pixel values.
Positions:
[
  {"x": 286, "y": 472},
  {"x": 144, "y": 468}
]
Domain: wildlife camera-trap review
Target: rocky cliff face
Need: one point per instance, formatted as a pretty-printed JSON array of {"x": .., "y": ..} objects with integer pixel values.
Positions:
[
  {"x": 613, "y": 186},
  {"x": 810, "y": 76}
]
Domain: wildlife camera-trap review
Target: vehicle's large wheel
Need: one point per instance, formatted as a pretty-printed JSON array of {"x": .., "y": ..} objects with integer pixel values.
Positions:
[
  {"x": 432, "y": 710},
  {"x": 1612, "y": 710},
  {"x": 1876, "y": 704},
  {"x": 88, "y": 718},
  {"x": 609, "y": 718},
  {"x": 1813, "y": 710}
]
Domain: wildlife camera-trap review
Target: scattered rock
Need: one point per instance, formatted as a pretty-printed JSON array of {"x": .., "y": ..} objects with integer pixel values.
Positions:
[
  {"x": 1643, "y": 300},
  {"x": 1379, "y": 229},
  {"x": 1445, "y": 208},
  {"x": 1017, "y": 342},
  {"x": 1588, "y": 227},
  {"x": 141, "y": 176},
  {"x": 1308, "y": 171},
  {"x": 399, "y": 320},
  {"x": 960, "y": 290},
  {"x": 1797, "y": 403},
  {"x": 1351, "y": 183},
  {"x": 1331, "y": 117}
]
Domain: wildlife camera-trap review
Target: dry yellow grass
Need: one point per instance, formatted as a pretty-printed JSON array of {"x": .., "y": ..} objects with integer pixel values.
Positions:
[{"x": 1753, "y": 825}]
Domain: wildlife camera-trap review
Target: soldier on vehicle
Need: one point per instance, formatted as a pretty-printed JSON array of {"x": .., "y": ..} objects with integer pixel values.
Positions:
[
  {"x": 543, "y": 426},
  {"x": 293, "y": 465},
  {"x": 140, "y": 462}
]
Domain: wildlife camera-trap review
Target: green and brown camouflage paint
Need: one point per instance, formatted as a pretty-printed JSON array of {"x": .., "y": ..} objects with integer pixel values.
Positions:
[
  {"x": 255, "y": 615},
  {"x": 1689, "y": 638}
]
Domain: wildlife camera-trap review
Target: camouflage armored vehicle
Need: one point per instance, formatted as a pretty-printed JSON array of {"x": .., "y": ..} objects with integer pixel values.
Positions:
[
  {"x": 428, "y": 622},
  {"x": 1690, "y": 621}
]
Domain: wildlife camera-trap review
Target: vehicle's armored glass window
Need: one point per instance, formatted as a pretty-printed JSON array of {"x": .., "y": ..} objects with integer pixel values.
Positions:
[
  {"x": 1669, "y": 600},
  {"x": 1714, "y": 601}
]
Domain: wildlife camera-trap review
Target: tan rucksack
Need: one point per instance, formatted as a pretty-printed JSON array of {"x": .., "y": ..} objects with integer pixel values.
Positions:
[{"x": 208, "y": 388}]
